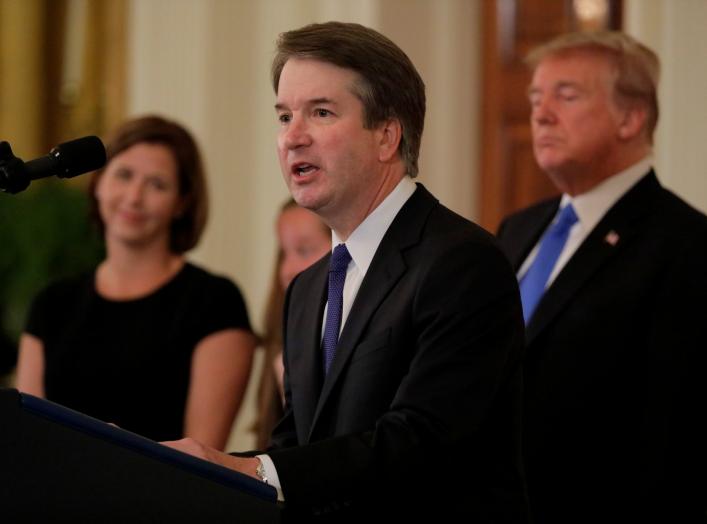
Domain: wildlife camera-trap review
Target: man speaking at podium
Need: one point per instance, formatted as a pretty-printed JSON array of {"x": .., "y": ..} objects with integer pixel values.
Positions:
[{"x": 403, "y": 348}]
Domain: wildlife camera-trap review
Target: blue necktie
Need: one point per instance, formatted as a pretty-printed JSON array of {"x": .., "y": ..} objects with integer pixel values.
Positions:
[
  {"x": 337, "y": 276},
  {"x": 532, "y": 285}
]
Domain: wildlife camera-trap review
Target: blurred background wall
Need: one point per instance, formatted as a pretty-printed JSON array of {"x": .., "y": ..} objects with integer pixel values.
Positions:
[{"x": 206, "y": 64}]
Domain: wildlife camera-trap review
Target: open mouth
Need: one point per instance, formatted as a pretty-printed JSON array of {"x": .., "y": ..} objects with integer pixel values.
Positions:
[{"x": 303, "y": 169}]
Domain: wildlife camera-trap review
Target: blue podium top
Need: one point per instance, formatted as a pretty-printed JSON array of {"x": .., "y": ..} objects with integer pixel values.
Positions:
[{"x": 126, "y": 439}]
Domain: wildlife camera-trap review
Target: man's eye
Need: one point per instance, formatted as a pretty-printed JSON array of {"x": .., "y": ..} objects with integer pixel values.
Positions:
[
  {"x": 323, "y": 112},
  {"x": 284, "y": 118},
  {"x": 568, "y": 95}
]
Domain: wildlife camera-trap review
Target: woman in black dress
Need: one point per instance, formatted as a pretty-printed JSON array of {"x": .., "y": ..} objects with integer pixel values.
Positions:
[{"x": 148, "y": 341}]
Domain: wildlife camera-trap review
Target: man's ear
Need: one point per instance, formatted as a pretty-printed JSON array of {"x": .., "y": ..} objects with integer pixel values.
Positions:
[
  {"x": 391, "y": 133},
  {"x": 633, "y": 122}
]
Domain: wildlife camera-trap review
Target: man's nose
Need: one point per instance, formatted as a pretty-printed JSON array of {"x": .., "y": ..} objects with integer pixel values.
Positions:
[
  {"x": 296, "y": 134},
  {"x": 542, "y": 111}
]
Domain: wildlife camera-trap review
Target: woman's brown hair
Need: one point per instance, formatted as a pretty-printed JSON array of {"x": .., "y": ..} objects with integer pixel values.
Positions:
[{"x": 187, "y": 228}]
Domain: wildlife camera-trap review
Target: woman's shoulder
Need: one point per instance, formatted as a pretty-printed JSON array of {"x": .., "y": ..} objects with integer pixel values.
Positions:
[
  {"x": 206, "y": 282},
  {"x": 60, "y": 300},
  {"x": 205, "y": 292},
  {"x": 69, "y": 286}
]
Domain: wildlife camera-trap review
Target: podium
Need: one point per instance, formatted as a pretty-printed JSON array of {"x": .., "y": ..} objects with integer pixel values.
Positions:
[{"x": 58, "y": 465}]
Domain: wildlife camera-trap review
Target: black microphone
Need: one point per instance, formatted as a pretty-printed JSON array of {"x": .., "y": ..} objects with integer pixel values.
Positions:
[{"x": 66, "y": 160}]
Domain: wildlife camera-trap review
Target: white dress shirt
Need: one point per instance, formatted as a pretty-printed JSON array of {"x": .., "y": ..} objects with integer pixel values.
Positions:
[
  {"x": 590, "y": 208},
  {"x": 362, "y": 245}
]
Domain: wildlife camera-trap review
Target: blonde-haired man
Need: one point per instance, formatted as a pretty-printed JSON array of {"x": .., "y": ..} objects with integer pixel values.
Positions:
[{"x": 613, "y": 280}]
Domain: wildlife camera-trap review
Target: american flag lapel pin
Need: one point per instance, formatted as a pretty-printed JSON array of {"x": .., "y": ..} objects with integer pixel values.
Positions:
[{"x": 612, "y": 238}]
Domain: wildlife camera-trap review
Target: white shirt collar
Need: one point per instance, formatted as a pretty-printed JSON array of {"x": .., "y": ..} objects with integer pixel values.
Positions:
[
  {"x": 363, "y": 242},
  {"x": 594, "y": 204}
]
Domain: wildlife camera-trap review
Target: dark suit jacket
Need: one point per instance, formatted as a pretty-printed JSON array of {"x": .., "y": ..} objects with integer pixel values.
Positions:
[
  {"x": 418, "y": 414},
  {"x": 615, "y": 365}
]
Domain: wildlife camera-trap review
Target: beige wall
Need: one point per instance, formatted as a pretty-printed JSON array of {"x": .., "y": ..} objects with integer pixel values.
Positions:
[
  {"x": 20, "y": 114},
  {"x": 675, "y": 30},
  {"x": 206, "y": 63}
]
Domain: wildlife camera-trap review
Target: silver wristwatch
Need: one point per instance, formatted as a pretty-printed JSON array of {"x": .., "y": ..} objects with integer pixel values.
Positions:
[{"x": 260, "y": 471}]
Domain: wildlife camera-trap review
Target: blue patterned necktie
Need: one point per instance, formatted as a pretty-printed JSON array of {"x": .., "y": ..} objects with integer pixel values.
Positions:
[
  {"x": 532, "y": 285},
  {"x": 337, "y": 276}
]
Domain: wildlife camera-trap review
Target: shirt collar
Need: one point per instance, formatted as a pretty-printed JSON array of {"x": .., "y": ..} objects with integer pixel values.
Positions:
[
  {"x": 363, "y": 242},
  {"x": 594, "y": 204}
]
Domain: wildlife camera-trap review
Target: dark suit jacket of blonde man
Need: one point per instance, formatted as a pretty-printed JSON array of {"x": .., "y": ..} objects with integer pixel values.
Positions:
[
  {"x": 419, "y": 412},
  {"x": 615, "y": 365}
]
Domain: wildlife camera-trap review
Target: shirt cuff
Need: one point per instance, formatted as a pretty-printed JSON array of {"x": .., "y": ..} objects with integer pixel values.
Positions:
[{"x": 271, "y": 474}]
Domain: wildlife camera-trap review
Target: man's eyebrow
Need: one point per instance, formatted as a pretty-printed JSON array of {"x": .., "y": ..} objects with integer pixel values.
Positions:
[
  {"x": 321, "y": 100},
  {"x": 559, "y": 85},
  {"x": 311, "y": 102}
]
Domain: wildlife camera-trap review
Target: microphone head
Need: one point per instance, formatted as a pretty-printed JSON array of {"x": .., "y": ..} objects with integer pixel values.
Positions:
[{"x": 79, "y": 156}]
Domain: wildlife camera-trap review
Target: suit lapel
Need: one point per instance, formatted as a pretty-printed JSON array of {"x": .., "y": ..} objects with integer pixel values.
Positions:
[
  {"x": 386, "y": 269},
  {"x": 606, "y": 240},
  {"x": 518, "y": 249},
  {"x": 374, "y": 288},
  {"x": 307, "y": 317},
  {"x": 587, "y": 260}
]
